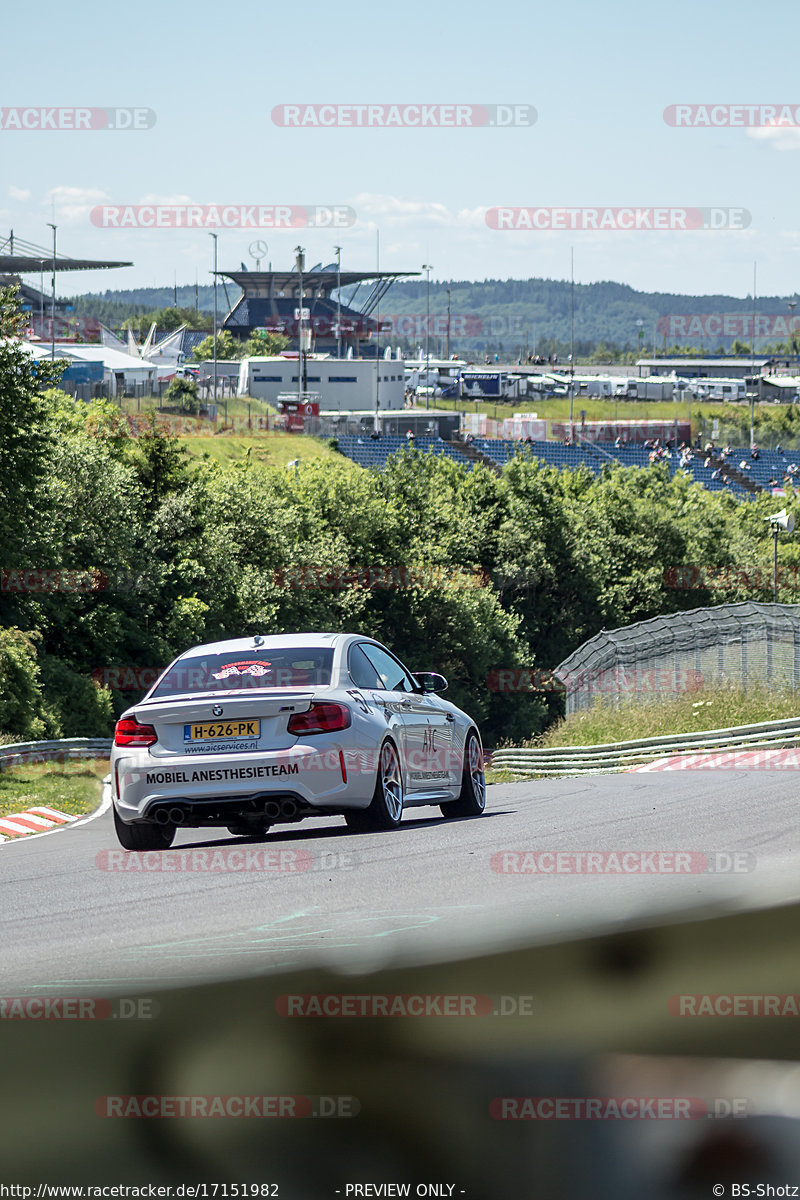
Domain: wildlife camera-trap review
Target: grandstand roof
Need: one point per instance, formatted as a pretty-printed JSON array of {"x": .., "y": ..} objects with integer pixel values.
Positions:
[
  {"x": 18, "y": 257},
  {"x": 323, "y": 279}
]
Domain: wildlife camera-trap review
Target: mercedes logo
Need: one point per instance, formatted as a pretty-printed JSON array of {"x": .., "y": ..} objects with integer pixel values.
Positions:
[{"x": 217, "y": 710}]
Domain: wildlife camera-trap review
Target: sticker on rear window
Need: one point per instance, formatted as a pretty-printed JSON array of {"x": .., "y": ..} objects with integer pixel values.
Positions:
[{"x": 255, "y": 667}]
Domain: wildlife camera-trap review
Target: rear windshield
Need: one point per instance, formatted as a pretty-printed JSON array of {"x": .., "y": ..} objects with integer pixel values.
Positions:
[{"x": 244, "y": 670}]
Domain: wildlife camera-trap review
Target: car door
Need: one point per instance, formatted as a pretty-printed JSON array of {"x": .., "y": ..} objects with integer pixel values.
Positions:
[
  {"x": 429, "y": 739},
  {"x": 387, "y": 686},
  {"x": 428, "y": 728}
]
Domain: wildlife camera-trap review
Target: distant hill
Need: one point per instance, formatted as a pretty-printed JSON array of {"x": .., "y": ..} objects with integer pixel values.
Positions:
[{"x": 508, "y": 314}]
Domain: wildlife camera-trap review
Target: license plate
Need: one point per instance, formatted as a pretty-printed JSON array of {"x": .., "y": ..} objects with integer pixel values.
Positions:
[{"x": 212, "y": 731}]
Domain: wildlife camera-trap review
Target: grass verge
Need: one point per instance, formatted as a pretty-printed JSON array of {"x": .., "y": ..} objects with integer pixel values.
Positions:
[
  {"x": 70, "y": 787},
  {"x": 714, "y": 707},
  {"x": 272, "y": 449}
]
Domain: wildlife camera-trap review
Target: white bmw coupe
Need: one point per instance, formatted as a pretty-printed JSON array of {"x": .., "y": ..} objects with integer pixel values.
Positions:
[{"x": 248, "y": 733}]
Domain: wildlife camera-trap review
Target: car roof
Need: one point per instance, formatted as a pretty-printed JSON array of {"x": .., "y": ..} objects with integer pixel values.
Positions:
[{"x": 277, "y": 641}]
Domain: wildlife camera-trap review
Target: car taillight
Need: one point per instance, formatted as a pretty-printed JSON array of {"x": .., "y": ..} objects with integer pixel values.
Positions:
[
  {"x": 130, "y": 733},
  {"x": 320, "y": 718}
]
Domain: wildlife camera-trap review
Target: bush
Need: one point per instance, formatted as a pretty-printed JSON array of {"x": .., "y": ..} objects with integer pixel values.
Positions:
[
  {"x": 77, "y": 706},
  {"x": 22, "y": 713},
  {"x": 183, "y": 393}
]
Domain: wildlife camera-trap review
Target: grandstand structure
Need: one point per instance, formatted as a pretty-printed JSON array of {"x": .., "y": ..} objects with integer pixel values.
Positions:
[
  {"x": 495, "y": 453},
  {"x": 47, "y": 315},
  {"x": 270, "y": 301}
]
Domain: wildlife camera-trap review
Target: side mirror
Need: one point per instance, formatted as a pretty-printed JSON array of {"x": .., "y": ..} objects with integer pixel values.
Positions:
[{"x": 429, "y": 681}]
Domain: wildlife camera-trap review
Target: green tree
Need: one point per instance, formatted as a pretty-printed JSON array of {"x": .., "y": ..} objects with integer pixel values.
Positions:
[
  {"x": 22, "y": 710},
  {"x": 227, "y": 347},
  {"x": 264, "y": 344},
  {"x": 183, "y": 393},
  {"x": 26, "y": 433},
  {"x": 166, "y": 318}
]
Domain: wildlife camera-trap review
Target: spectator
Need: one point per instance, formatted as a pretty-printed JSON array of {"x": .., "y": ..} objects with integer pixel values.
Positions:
[
  {"x": 779, "y": 449},
  {"x": 754, "y": 454}
]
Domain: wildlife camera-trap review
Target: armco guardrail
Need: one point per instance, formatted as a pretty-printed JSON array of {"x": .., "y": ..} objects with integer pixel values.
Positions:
[
  {"x": 620, "y": 756},
  {"x": 14, "y": 754}
]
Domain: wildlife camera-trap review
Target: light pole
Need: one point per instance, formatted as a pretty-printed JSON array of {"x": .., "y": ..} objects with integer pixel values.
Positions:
[
  {"x": 41, "y": 298},
  {"x": 378, "y": 336},
  {"x": 791, "y": 305},
  {"x": 301, "y": 262},
  {"x": 53, "y": 299},
  {"x": 571, "y": 337},
  {"x": 753, "y": 367},
  {"x": 215, "y": 236},
  {"x": 427, "y": 268},
  {"x": 338, "y": 250},
  {"x": 448, "y": 324}
]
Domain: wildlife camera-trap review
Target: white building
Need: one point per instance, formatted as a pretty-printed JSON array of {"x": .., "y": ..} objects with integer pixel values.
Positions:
[
  {"x": 342, "y": 384},
  {"x": 120, "y": 370}
]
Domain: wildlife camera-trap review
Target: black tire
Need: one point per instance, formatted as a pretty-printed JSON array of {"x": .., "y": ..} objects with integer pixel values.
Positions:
[
  {"x": 143, "y": 836},
  {"x": 386, "y": 807},
  {"x": 472, "y": 798}
]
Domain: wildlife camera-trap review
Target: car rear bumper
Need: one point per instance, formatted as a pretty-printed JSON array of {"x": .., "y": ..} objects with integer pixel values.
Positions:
[{"x": 305, "y": 781}]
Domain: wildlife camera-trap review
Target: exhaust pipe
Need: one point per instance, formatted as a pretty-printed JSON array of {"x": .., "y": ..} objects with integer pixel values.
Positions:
[
  {"x": 272, "y": 810},
  {"x": 289, "y": 809},
  {"x": 177, "y": 816},
  {"x": 162, "y": 816}
]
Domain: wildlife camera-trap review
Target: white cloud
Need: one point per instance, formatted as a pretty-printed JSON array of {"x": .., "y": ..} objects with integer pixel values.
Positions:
[
  {"x": 378, "y": 210},
  {"x": 72, "y": 203},
  {"x": 780, "y": 137},
  {"x": 159, "y": 198},
  {"x": 18, "y": 193}
]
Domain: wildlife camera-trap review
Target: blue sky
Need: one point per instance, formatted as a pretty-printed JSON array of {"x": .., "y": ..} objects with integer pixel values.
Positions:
[{"x": 599, "y": 77}]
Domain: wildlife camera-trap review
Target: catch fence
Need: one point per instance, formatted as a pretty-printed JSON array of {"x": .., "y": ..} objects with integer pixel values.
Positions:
[{"x": 740, "y": 644}]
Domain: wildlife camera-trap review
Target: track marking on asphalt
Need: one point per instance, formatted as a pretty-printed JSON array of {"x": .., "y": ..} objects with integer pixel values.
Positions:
[{"x": 341, "y": 936}]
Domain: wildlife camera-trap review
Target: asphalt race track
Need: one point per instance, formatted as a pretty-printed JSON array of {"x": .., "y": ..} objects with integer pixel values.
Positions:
[{"x": 433, "y": 890}]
